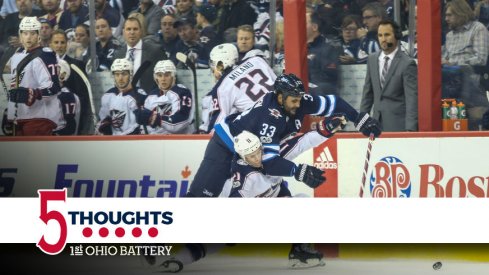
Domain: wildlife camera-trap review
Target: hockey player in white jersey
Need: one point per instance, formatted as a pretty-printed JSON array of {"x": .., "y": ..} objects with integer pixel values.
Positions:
[
  {"x": 70, "y": 104},
  {"x": 238, "y": 87},
  {"x": 119, "y": 103},
  {"x": 33, "y": 105},
  {"x": 250, "y": 181},
  {"x": 168, "y": 109}
]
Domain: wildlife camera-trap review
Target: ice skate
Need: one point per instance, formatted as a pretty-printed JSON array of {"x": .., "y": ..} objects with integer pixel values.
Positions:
[{"x": 304, "y": 256}]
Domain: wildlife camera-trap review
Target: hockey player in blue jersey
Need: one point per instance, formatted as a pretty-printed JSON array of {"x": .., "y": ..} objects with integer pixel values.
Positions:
[
  {"x": 119, "y": 102},
  {"x": 278, "y": 115},
  {"x": 168, "y": 109}
]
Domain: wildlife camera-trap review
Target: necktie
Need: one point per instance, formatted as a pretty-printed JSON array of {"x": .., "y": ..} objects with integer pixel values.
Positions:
[
  {"x": 384, "y": 72},
  {"x": 131, "y": 54}
]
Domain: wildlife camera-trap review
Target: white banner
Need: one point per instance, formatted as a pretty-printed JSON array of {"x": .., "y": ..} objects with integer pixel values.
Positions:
[
  {"x": 194, "y": 220},
  {"x": 159, "y": 167},
  {"x": 445, "y": 167}
]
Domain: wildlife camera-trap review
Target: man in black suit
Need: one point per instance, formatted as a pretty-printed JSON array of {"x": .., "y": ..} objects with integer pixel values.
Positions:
[
  {"x": 58, "y": 44},
  {"x": 138, "y": 51}
]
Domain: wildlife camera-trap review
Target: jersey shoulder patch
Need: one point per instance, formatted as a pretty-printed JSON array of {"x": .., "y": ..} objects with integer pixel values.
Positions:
[{"x": 275, "y": 113}]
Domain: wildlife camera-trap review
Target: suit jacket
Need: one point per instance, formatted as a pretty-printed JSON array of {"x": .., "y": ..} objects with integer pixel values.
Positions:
[
  {"x": 396, "y": 105},
  {"x": 150, "y": 52}
]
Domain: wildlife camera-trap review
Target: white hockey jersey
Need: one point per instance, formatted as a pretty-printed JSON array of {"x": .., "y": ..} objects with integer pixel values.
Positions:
[
  {"x": 120, "y": 108},
  {"x": 176, "y": 108},
  {"x": 41, "y": 73},
  {"x": 238, "y": 90},
  {"x": 249, "y": 182}
]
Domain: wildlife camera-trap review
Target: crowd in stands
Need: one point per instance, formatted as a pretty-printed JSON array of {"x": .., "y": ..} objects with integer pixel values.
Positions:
[{"x": 339, "y": 32}]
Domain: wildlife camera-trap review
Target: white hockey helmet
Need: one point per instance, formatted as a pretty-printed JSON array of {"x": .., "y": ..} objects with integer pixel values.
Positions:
[
  {"x": 164, "y": 66},
  {"x": 246, "y": 143},
  {"x": 29, "y": 23},
  {"x": 225, "y": 53},
  {"x": 64, "y": 70},
  {"x": 122, "y": 64}
]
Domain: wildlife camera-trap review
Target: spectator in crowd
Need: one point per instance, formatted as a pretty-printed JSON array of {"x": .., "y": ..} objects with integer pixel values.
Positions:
[
  {"x": 152, "y": 14},
  {"x": 124, "y": 6},
  {"x": 388, "y": 7},
  {"x": 46, "y": 32},
  {"x": 119, "y": 102},
  {"x": 52, "y": 11},
  {"x": 31, "y": 105},
  {"x": 104, "y": 10},
  {"x": 167, "y": 37},
  {"x": 81, "y": 43},
  {"x": 391, "y": 84},
  {"x": 69, "y": 102},
  {"x": 185, "y": 8},
  {"x": 245, "y": 40},
  {"x": 234, "y": 14},
  {"x": 467, "y": 45},
  {"x": 168, "y": 109},
  {"x": 322, "y": 58},
  {"x": 7, "y": 8},
  {"x": 206, "y": 14},
  {"x": 138, "y": 51},
  {"x": 106, "y": 44},
  {"x": 189, "y": 43},
  {"x": 349, "y": 40},
  {"x": 372, "y": 14},
  {"x": 75, "y": 14},
  {"x": 11, "y": 23},
  {"x": 140, "y": 17},
  {"x": 481, "y": 12}
]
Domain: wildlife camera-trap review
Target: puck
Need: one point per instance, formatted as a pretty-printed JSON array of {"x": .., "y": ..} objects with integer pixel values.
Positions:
[{"x": 437, "y": 265}]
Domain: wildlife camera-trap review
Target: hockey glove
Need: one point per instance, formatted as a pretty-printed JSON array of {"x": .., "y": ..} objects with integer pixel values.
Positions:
[
  {"x": 485, "y": 120},
  {"x": 25, "y": 95},
  {"x": 147, "y": 117},
  {"x": 330, "y": 125},
  {"x": 367, "y": 125},
  {"x": 309, "y": 175},
  {"x": 105, "y": 126}
]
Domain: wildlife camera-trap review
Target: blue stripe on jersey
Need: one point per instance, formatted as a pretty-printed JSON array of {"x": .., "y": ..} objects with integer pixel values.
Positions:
[
  {"x": 322, "y": 106},
  {"x": 270, "y": 151},
  {"x": 269, "y": 148},
  {"x": 222, "y": 130},
  {"x": 332, "y": 104},
  {"x": 268, "y": 157}
]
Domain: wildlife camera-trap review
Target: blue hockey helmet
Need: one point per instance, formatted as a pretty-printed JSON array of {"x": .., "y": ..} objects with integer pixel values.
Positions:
[{"x": 289, "y": 85}]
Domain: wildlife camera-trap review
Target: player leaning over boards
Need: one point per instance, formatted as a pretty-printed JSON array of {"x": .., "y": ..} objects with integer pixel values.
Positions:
[
  {"x": 248, "y": 181},
  {"x": 33, "y": 104},
  {"x": 119, "y": 102},
  {"x": 168, "y": 109},
  {"x": 238, "y": 86},
  {"x": 277, "y": 116}
]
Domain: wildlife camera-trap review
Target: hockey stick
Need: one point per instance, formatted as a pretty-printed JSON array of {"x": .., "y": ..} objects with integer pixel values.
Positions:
[
  {"x": 144, "y": 66},
  {"x": 191, "y": 65},
  {"x": 367, "y": 160},
  {"x": 89, "y": 91}
]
